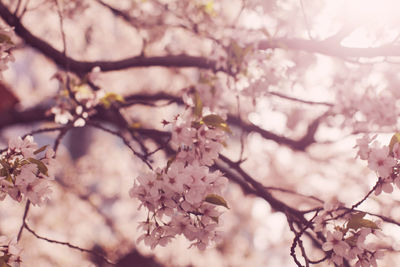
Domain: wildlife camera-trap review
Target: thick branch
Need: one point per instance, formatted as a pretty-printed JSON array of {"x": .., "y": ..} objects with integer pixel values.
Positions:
[
  {"x": 38, "y": 114},
  {"x": 28, "y": 116},
  {"x": 300, "y": 144},
  {"x": 82, "y": 67}
]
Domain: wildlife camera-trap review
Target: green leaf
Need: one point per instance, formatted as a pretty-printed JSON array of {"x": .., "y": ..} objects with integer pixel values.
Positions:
[
  {"x": 198, "y": 105},
  {"x": 5, "y": 164},
  {"x": 9, "y": 178},
  {"x": 5, "y": 39},
  {"x": 209, "y": 8},
  {"x": 3, "y": 172},
  {"x": 215, "y": 219},
  {"x": 216, "y": 121},
  {"x": 37, "y": 151},
  {"x": 395, "y": 139},
  {"x": 352, "y": 240},
  {"x": 216, "y": 200},
  {"x": 356, "y": 221},
  {"x": 237, "y": 50},
  {"x": 41, "y": 166},
  {"x": 110, "y": 98},
  {"x": 3, "y": 260},
  {"x": 207, "y": 79},
  {"x": 358, "y": 215},
  {"x": 169, "y": 162}
]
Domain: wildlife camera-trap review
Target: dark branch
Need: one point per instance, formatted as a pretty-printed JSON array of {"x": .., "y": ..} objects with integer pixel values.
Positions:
[
  {"x": 67, "y": 244},
  {"x": 82, "y": 67}
]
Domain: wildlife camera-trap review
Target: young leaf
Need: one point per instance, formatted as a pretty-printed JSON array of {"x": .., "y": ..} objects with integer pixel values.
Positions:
[
  {"x": 198, "y": 105},
  {"x": 5, "y": 39},
  {"x": 3, "y": 172},
  {"x": 169, "y": 162},
  {"x": 110, "y": 98},
  {"x": 216, "y": 200},
  {"x": 237, "y": 51},
  {"x": 209, "y": 8},
  {"x": 395, "y": 139},
  {"x": 3, "y": 260},
  {"x": 216, "y": 121},
  {"x": 215, "y": 219},
  {"x": 5, "y": 164},
  {"x": 356, "y": 221},
  {"x": 37, "y": 151},
  {"x": 41, "y": 166},
  {"x": 135, "y": 125}
]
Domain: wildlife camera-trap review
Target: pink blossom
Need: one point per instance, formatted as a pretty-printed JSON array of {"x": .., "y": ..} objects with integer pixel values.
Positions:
[
  {"x": 384, "y": 186},
  {"x": 380, "y": 161},
  {"x": 25, "y": 146},
  {"x": 12, "y": 251},
  {"x": 363, "y": 146},
  {"x": 28, "y": 172},
  {"x": 376, "y": 256},
  {"x": 335, "y": 242},
  {"x": 396, "y": 150},
  {"x": 362, "y": 236}
]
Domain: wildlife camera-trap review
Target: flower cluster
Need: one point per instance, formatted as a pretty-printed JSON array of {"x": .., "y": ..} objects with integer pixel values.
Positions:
[
  {"x": 183, "y": 197},
  {"x": 384, "y": 160},
  {"x": 180, "y": 200},
  {"x": 23, "y": 173},
  {"x": 348, "y": 242},
  {"x": 352, "y": 247},
  {"x": 77, "y": 108},
  {"x": 6, "y": 35},
  {"x": 196, "y": 142},
  {"x": 10, "y": 252}
]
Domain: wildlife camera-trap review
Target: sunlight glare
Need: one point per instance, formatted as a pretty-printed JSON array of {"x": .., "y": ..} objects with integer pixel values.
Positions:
[{"x": 371, "y": 11}]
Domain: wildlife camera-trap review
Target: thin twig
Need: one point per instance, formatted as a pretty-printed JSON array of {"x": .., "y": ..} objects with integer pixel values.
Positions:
[
  {"x": 361, "y": 201},
  {"x": 126, "y": 142},
  {"x": 44, "y": 130},
  {"x": 300, "y": 100},
  {"x": 62, "y": 133},
  {"x": 17, "y": 7},
  {"x": 27, "y": 205},
  {"x": 67, "y": 244}
]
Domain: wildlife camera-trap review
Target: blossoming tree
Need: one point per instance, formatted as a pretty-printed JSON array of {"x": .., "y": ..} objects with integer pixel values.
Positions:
[{"x": 199, "y": 133}]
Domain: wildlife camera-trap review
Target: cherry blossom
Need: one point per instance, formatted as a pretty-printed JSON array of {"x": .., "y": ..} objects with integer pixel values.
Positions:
[
  {"x": 336, "y": 243},
  {"x": 180, "y": 194},
  {"x": 291, "y": 93},
  {"x": 380, "y": 161},
  {"x": 23, "y": 173},
  {"x": 363, "y": 146},
  {"x": 6, "y": 43},
  {"x": 10, "y": 251}
]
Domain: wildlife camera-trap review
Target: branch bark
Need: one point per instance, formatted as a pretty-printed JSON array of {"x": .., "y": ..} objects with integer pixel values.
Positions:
[{"x": 83, "y": 67}]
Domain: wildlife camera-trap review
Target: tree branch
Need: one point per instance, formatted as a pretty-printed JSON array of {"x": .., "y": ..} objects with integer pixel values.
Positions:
[
  {"x": 67, "y": 244},
  {"x": 330, "y": 48},
  {"x": 83, "y": 67}
]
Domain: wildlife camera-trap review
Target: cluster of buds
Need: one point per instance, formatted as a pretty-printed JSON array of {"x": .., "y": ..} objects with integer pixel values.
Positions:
[{"x": 78, "y": 101}]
